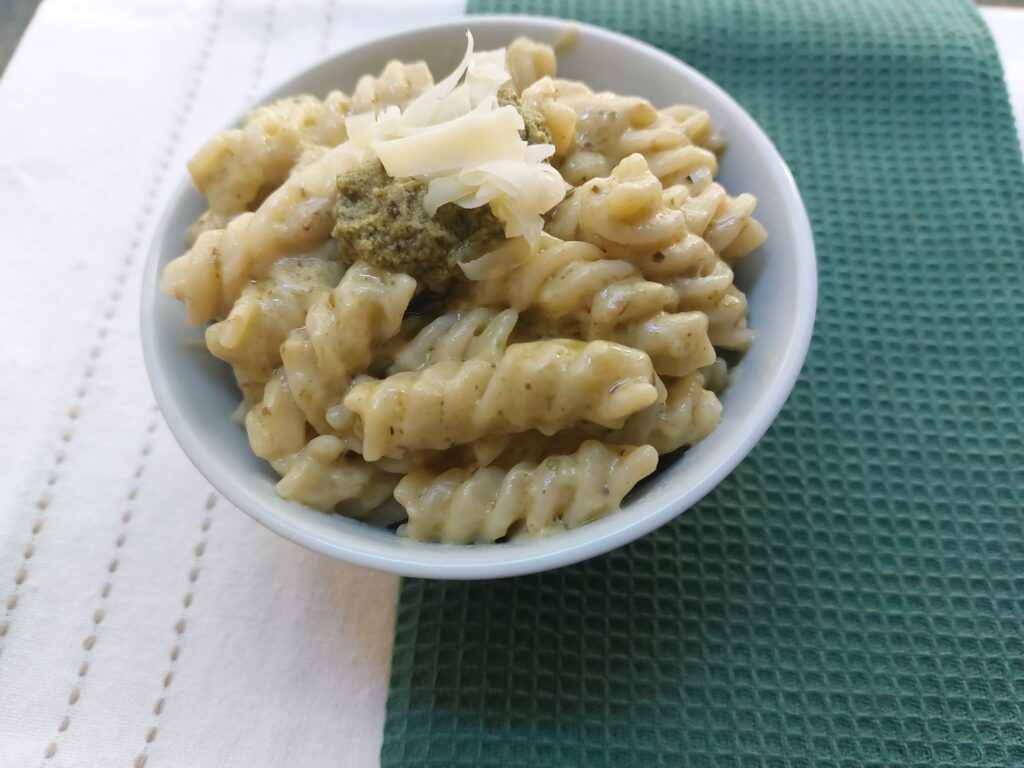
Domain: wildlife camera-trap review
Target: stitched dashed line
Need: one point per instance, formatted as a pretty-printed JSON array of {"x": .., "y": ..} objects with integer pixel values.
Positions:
[
  {"x": 179, "y": 630},
  {"x": 53, "y": 477},
  {"x": 327, "y": 28},
  {"x": 99, "y": 613},
  {"x": 261, "y": 60},
  {"x": 211, "y": 501}
]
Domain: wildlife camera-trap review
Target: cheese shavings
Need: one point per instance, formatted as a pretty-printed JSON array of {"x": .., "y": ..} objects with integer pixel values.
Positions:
[
  {"x": 465, "y": 142},
  {"x": 467, "y": 147}
]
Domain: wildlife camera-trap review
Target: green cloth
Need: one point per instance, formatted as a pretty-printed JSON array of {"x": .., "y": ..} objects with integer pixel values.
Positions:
[{"x": 853, "y": 594}]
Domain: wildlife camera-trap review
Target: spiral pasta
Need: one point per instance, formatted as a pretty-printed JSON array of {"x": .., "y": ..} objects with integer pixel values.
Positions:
[
  {"x": 623, "y": 213},
  {"x": 276, "y": 426},
  {"x": 238, "y": 167},
  {"x": 453, "y": 337},
  {"x": 322, "y": 476},
  {"x": 396, "y": 85},
  {"x": 463, "y": 507},
  {"x": 685, "y": 416},
  {"x": 528, "y": 62},
  {"x": 250, "y": 337},
  {"x": 631, "y": 212},
  {"x": 626, "y": 215},
  {"x": 726, "y": 223},
  {"x": 456, "y": 336},
  {"x": 688, "y": 414},
  {"x": 543, "y": 385},
  {"x": 210, "y": 276},
  {"x": 318, "y": 396},
  {"x": 342, "y": 328},
  {"x": 717, "y": 376},
  {"x": 365, "y": 309},
  {"x": 540, "y": 298},
  {"x": 592, "y": 132},
  {"x": 609, "y": 299}
]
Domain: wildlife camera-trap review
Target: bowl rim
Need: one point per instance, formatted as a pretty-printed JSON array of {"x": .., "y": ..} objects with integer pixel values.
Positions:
[{"x": 418, "y": 559}]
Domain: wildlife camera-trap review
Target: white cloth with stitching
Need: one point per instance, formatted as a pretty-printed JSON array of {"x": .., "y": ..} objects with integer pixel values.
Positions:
[{"x": 144, "y": 620}]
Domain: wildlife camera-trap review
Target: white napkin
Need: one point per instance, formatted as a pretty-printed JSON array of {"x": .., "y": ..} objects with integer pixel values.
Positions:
[{"x": 145, "y": 620}]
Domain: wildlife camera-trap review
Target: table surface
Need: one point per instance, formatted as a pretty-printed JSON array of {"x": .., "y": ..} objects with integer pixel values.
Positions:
[{"x": 365, "y": 600}]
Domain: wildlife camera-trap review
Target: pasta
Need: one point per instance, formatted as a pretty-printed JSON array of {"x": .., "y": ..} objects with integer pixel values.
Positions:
[
  {"x": 472, "y": 309},
  {"x": 396, "y": 86},
  {"x": 626, "y": 215},
  {"x": 543, "y": 385},
  {"x": 250, "y": 337},
  {"x": 236, "y": 168},
  {"x": 609, "y": 299},
  {"x": 276, "y": 425},
  {"x": 322, "y": 476},
  {"x": 364, "y": 310},
  {"x": 686, "y": 415},
  {"x": 592, "y": 132},
  {"x": 528, "y": 62},
  {"x": 717, "y": 375},
  {"x": 209, "y": 278},
  {"x": 457, "y": 336},
  {"x": 459, "y": 506},
  {"x": 317, "y": 395},
  {"x": 725, "y": 223},
  {"x": 341, "y": 328}
]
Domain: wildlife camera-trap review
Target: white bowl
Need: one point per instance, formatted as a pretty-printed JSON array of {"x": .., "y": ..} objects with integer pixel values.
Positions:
[{"x": 197, "y": 393}]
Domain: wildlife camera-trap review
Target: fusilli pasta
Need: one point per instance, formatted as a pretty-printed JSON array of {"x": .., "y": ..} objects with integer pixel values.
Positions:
[
  {"x": 322, "y": 476},
  {"x": 343, "y": 326},
  {"x": 250, "y": 337},
  {"x": 457, "y": 336},
  {"x": 551, "y": 346},
  {"x": 238, "y": 168},
  {"x": 276, "y": 425},
  {"x": 464, "y": 507},
  {"x": 609, "y": 299},
  {"x": 626, "y": 215},
  {"x": 688, "y": 415},
  {"x": 397, "y": 85},
  {"x": 296, "y": 217},
  {"x": 364, "y": 310},
  {"x": 592, "y": 132},
  {"x": 543, "y": 385},
  {"x": 528, "y": 62},
  {"x": 685, "y": 416},
  {"x": 725, "y": 223},
  {"x": 317, "y": 395}
]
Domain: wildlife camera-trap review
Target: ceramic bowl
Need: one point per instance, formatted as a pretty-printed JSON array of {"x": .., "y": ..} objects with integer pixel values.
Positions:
[{"x": 197, "y": 393}]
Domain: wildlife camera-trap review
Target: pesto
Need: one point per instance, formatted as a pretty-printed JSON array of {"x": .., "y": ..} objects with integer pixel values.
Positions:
[
  {"x": 381, "y": 220},
  {"x": 536, "y": 131}
]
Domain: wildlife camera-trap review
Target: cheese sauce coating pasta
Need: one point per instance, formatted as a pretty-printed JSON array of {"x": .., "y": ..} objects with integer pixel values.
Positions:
[{"x": 586, "y": 330}]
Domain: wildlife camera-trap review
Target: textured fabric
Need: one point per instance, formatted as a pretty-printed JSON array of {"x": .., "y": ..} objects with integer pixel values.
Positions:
[
  {"x": 854, "y": 593},
  {"x": 144, "y": 621}
]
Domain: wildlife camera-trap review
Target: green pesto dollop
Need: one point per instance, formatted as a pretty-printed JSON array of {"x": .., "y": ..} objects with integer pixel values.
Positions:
[
  {"x": 381, "y": 220},
  {"x": 536, "y": 131}
]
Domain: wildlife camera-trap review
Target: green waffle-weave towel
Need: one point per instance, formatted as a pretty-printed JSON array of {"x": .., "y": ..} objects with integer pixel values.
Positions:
[{"x": 853, "y": 595}]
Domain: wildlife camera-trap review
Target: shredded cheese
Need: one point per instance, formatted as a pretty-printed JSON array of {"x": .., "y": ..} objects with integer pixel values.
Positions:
[
  {"x": 458, "y": 138},
  {"x": 467, "y": 141}
]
